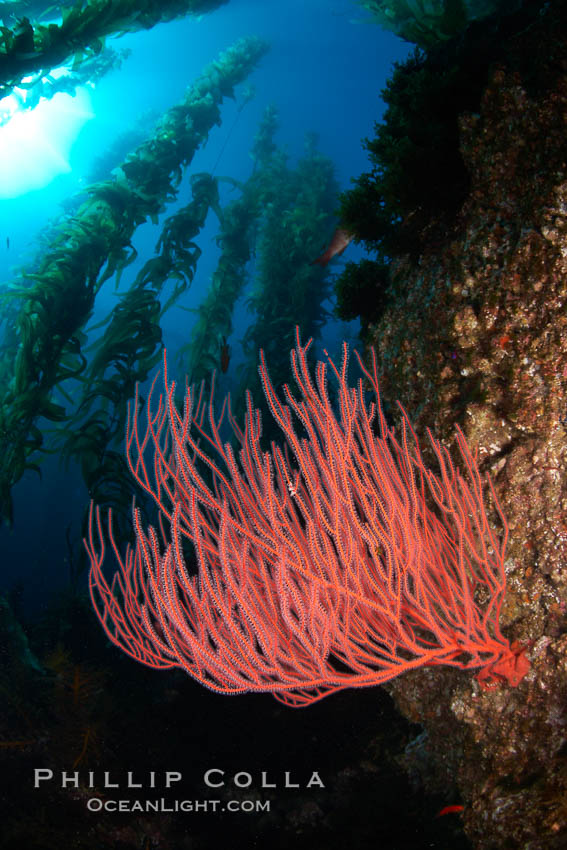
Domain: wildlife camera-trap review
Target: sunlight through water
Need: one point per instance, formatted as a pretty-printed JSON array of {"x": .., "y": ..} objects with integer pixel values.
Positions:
[{"x": 35, "y": 144}]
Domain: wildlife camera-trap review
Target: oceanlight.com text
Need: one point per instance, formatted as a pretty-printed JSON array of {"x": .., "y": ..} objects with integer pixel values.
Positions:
[{"x": 95, "y": 804}]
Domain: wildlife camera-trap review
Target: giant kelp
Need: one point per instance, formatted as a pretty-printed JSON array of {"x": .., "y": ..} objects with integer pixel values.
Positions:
[
  {"x": 46, "y": 86},
  {"x": 288, "y": 288},
  {"x": 53, "y": 301},
  {"x": 214, "y": 314},
  {"x": 178, "y": 253},
  {"x": 126, "y": 352},
  {"x": 236, "y": 240},
  {"x": 281, "y": 220},
  {"x": 128, "y": 349},
  {"x": 30, "y": 48}
]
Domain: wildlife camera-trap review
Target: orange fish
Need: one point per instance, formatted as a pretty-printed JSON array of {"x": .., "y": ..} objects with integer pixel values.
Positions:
[
  {"x": 341, "y": 238},
  {"x": 224, "y": 355},
  {"x": 450, "y": 810}
]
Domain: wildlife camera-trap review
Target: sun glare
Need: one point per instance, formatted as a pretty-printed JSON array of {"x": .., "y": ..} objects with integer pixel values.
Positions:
[{"x": 35, "y": 143}]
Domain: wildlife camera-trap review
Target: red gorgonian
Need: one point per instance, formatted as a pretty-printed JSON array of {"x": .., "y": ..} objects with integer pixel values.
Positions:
[{"x": 336, "y": 561}]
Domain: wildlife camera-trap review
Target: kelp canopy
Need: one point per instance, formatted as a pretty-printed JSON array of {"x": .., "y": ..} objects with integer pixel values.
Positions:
[{"x": 31, "y": 48}]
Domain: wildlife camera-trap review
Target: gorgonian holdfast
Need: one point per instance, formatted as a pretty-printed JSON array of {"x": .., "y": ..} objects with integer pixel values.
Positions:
[{"x": 337, "y": 561}]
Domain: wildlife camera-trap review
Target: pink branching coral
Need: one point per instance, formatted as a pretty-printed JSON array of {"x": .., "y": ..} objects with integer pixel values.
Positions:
[{"x": 337, "y": 561}]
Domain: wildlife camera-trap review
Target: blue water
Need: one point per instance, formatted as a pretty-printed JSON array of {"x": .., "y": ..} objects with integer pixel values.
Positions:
[{"x": 324, "y": 72}]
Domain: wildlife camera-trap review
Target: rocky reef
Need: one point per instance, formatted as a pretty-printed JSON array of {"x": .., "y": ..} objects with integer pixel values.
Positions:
[{"x": 475, "y": 333}]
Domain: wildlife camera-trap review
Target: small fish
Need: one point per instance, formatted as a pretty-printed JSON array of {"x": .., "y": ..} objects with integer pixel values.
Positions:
[
  {"x": 450, "y": 810},
  {"x": 224, "y": 355},
  {"x": 7, "y": 243},
  {"x": 341, "y": 238}
]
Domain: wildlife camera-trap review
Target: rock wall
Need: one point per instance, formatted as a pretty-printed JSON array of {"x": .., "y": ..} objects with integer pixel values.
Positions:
[{"x": 477, "y": 335}]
